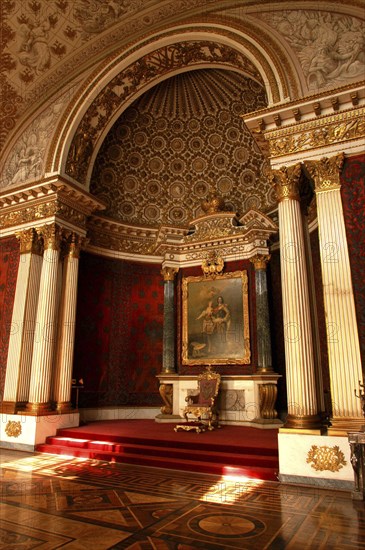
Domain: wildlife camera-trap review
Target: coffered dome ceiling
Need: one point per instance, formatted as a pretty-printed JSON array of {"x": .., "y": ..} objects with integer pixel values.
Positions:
[{"x": 179, "y": 142}]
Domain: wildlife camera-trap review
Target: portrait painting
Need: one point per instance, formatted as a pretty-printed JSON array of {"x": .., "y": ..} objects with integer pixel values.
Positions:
[{"x": 216, "y": 319}]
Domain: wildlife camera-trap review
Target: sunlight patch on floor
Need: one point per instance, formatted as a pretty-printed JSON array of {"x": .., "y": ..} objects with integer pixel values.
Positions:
[{"x": 230, "y": 489}]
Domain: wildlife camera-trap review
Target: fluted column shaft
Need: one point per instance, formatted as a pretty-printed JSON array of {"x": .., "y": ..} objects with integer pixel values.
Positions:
[
  {"x": 168, "y": 354},
  {"x": 342, "y": 332},
  {"x": 299, "y": 357},
  {"x": 17, "y": 379},
  {"x": 44, "y": 342},
  {"x": 264, "y": 358},
  {"x": 66, "y": 327}
]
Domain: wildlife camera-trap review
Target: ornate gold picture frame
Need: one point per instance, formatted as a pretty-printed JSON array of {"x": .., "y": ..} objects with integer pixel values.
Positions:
[{"x": 215, "y": 326}]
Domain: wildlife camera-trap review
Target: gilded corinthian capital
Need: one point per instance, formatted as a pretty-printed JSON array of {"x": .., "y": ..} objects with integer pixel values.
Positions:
[
  {"x": 52, "y": 236},
  {"x": 168, "y": 273},
  {"x": 285, "y": 181},
  {"x": 326, "y": 172},
  {"x": 29, "y": 241}
]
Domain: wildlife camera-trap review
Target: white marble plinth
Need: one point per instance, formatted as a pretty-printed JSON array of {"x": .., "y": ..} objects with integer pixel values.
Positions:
[
  {"x": 23, "y": 432},
  {"x": 331, "y": 468}
]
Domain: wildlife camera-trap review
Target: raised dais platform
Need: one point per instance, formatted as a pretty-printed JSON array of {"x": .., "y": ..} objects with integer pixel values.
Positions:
[{"x": 229, "y": 450}]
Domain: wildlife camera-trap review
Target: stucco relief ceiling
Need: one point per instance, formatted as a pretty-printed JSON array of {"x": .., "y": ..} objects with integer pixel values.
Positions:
[{"x": 179, "y": 142}]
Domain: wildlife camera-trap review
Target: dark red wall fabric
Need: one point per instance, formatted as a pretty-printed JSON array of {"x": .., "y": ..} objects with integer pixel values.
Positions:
[
  {"x": 9, "y": 262},
  {"x": 353, "y": 200},
  {"x": 119, "y": 330}
]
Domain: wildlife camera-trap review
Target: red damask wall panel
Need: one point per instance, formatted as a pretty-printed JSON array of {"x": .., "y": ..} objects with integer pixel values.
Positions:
[
  {"x": 119, "y": 329},
  {"x": 353, "y": 200},
  {"x": 9, "y": 261}
]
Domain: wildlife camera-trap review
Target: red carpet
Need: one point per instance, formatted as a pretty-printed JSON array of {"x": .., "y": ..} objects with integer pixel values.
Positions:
[{"x": 229, "y": 450}]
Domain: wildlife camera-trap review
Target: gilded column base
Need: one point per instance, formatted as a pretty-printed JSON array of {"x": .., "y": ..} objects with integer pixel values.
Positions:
[
  {"x": 341, "y": 426},
  {"x": 64, "y": 407},
  {"x": 38, "y": 409},
  {"x": 9, "y": 407},
  {"x": 310, "y": 423}
]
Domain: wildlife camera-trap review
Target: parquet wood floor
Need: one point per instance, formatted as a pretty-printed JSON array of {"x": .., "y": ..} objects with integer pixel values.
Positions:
[{"x": 51, "y": 502}]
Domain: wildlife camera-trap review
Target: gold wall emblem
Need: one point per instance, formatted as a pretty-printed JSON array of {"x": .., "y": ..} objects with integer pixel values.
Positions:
[
  {"x": 326, "y": 458},
  {"x": 13, "y": 428}
]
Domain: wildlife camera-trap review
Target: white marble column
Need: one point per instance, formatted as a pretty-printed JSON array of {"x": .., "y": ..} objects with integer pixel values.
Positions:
[
  {"x": 66, "y": 326},
  {"x": 341, "y": 324},
  {"x": 17, "y": 378},
  {"x": 45, "y": 335},
  {"x": 299, "y": 356}
]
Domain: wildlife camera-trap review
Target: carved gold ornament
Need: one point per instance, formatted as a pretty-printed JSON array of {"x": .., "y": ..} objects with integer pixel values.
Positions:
[
  {"x": 326, "y": 458},
  {"x": 336, "y": 129},
  {"x": 285, "y": 181},
  {"x": 169, "y": 273},
  {"x": 212, "y": 265},
  {"x": 13, "y": 428}
]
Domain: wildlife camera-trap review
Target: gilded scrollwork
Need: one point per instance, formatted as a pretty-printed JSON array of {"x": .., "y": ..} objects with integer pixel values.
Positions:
[
  {"x": 322, "y": 458},
  {"x": 166, "y": 392}
]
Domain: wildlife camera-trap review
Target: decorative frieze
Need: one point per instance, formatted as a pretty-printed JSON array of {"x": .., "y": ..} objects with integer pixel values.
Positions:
[{"x": 322, "y": 132}]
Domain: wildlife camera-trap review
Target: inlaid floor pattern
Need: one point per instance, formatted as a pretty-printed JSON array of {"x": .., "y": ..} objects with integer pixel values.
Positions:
[{"x": 51, "y": 502}]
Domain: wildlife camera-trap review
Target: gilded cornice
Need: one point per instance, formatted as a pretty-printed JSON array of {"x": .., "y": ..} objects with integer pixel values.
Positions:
[
  {"x": 328, "y": 130},
  {"x": 114, "y": 236},
  {"x": 173, "y": 243},
  {"x": 316, "y": 122},
  {"x": 49, "y": 199}
]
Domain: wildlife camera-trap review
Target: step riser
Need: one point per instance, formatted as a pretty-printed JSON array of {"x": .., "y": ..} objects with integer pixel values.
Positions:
[
  {"x": 218, "y": 469},
  {"x": 123, "y": 445},
  {"x": 219, "y": 458}
]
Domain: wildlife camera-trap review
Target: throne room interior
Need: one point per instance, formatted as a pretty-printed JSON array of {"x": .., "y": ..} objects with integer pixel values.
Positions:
[{"x": 182, "y": 191}]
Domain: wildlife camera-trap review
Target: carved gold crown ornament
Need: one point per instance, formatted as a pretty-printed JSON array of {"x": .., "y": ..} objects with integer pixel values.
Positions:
[{"x": 213, "y": 264}]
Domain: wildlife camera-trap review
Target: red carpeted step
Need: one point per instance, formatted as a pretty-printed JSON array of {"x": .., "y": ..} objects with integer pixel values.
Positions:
[
  {"x": 244, "y": 451},
  {"x": 233, "y": 458},
  {"x": 255, "y": 472}
]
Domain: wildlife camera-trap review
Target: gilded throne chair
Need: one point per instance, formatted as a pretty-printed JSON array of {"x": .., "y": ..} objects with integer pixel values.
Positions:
[{"x": 202, "y": 407}]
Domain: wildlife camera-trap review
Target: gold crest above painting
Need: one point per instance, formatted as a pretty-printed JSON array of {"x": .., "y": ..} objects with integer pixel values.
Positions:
[{"x": 216, "y": 320}]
